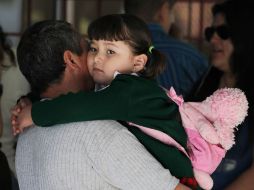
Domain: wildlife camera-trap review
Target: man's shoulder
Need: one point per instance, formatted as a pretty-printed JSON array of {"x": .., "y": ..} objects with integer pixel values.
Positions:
[
  {"x": 79, "y": 128},
  {"x": 99, "y": 124},
  {"x": 78, "y": 134}
]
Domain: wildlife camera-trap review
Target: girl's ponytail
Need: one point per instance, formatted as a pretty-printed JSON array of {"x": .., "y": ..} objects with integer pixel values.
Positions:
[{"x": 155, "y": 65}]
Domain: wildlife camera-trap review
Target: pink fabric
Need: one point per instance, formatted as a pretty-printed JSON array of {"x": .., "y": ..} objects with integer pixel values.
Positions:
[
  {"x": 203, "y": 155},
  {"x": 163, "y": 137},
  {"x": 173, "y": 96},
  {"x": 204, "y": 149}
]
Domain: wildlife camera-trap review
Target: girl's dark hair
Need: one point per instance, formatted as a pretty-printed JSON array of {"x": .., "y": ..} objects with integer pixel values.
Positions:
[
  {"x": 134, "y": 32},
  {"x": 5, "y": 47}
]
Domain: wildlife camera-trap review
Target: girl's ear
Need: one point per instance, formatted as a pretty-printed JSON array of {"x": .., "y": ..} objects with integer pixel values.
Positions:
[
  {"x": 139, "y": 62},
  {"x": 70, "y": 59}
]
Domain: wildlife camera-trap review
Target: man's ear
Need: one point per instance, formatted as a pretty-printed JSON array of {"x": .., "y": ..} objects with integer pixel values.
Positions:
[
  {"x": 71, "y": 60},
  {"x": 139, "y": 62}
]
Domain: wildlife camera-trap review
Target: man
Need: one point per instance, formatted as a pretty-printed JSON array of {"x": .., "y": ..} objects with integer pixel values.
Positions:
[
  {"x": 185, "y": 66},
  {"x": 81, "y": 155}
]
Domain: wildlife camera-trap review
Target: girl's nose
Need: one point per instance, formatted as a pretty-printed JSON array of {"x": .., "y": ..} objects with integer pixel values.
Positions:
[
  {"x": 98, "y": 58},
  {"x": 215, "y": 38}
]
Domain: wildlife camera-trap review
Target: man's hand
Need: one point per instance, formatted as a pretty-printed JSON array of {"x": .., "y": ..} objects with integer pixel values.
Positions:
[
  {"x": 182, "y": 187},
  {"x": 21, "y": 116}
]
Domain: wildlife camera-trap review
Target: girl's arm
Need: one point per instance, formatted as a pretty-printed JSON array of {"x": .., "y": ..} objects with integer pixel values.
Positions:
[
  {"x": 128, "y": 98},
  {"x": 109, "y": 103},
  {"x": 82, "y": 106}
]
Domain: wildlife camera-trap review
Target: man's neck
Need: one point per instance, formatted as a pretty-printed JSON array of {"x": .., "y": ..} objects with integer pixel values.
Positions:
[{"x": 56, "y": 90}]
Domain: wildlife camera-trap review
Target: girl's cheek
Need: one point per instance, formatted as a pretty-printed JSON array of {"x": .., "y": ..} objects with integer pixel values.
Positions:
[{"x": 90, "y": 67}]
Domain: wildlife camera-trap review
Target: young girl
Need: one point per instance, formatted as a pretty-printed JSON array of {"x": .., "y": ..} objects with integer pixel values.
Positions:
[{"x": 123, "y": 60}]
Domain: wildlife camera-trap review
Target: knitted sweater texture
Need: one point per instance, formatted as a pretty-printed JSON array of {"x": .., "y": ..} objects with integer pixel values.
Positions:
[{"x": 87, "y": 155}]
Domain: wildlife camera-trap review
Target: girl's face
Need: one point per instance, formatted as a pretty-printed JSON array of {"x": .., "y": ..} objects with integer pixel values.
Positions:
[
  {"x": 107, "y": 57},
  {"x": 222, "y": 49}
]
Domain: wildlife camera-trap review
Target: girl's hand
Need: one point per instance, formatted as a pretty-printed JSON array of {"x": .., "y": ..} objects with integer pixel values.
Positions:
[{"x": 21, "y": 116}]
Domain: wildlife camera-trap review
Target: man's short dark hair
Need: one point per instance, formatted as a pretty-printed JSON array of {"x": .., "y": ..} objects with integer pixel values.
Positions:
[
  {"x": 145, "y": 9},
  {"x": 41, "y": 49}
]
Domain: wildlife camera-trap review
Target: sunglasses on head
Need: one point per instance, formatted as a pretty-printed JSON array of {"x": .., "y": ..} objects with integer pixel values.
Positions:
[{"x": 222, "y": 31}]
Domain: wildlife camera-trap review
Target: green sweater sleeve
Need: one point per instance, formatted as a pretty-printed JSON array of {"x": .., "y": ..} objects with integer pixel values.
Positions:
[
  {"x": 109, "y": 103},
  {"x": 128, "y": 98}
]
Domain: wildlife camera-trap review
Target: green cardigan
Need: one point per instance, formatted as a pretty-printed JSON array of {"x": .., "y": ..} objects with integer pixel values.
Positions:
[{"x": 128, "y": 98}]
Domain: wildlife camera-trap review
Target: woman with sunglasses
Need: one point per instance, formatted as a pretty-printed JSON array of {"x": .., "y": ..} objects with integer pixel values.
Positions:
[{"x": 231, "y": 38}]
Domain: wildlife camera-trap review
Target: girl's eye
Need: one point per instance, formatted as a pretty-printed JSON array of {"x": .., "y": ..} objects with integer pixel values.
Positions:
[
  {"x": 110, "y": 52},
  {"x": 92, "y": 49}
]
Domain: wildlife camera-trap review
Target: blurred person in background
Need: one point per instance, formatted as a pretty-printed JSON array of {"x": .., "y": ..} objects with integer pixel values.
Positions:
[
  {"x": 13, "y": 86},
  {"x": 232, "y": 57},
  {"x": 5, "y": 173},
  {"x": 185, "y": 65}
]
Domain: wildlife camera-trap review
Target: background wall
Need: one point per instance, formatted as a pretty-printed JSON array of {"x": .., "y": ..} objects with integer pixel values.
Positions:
[
  {"x": 10, "y": 18},
  {"x": 191, "y": 16}
]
